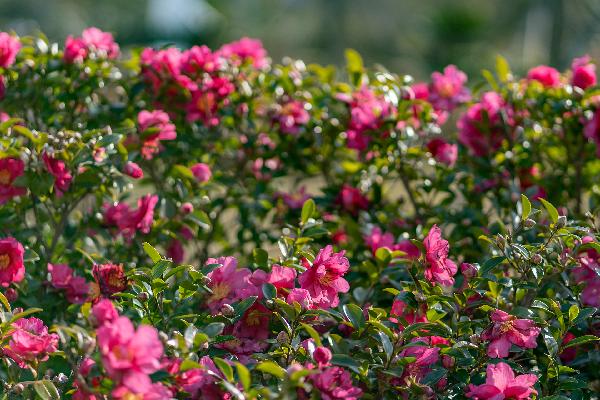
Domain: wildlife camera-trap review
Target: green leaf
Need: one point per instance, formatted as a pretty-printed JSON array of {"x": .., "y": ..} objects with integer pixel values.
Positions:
[
  {"x": 271, "y": 368},
  {"x": 354, "y": 64},
  {"x": 213, "y": 329},
  {"x": 241, "y": 307},
  {"x": 308, "y": 210},
  {"x": 489, "y": 77},
  {"x": 552, "y": 212},
  {"x": 573, "y": 312},
  {"x": 30, "y": 256},
  {"x": 269, "y": 290},
  {"x": 5, "y": 302},
  {"x": 550, "y": 342},
  {"x": 355, "y": 315},
  {"x": 312, "y": 333},
  {"x": 46, "y": 390},
  {"x": 582, "y": 340},
  {"x": 388, "y": 347},
  {"x": 490, "y": 264},
  {"x": 224, "y": 367},
  {"x": 261, "y": 257},
  {"x": 152, "y": 252},
  {"x": 502, "y": 68},
  {"x": 23, "y": 314},
  {"x": 344, "y": 360},
  {"x": 383, "y": 255},
  {"x": 160, "y": 267},
  {"x": 526, "y": 205},
  {"x": 243, "y": 375}
]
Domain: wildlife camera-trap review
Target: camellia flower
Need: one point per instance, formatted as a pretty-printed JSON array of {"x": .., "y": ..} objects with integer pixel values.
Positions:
[
  {"x": 584, "y": 72},
  {"x": 440, "y": 268},
  {"x": 154, "y": 126},
  {"x": 226, "y": 282},
  {"x": 322, "y": 356},
  {"x": 10, "y": 169},
  {"x": 425, "y": 356},
  {"x": 245, "y": 50},
  {"x": 58, "y": 169},
  {"x": 9, "y": 48},
  {"x": 12, "y": 268},
  {"x": 501, "y": 383},
  {"x": 352, "y": 200},
  {"x": 92, "y": 40},
  {"x": 547, "y": 76},
  {"x": 587, "y": 273},
  {"x": 250, "y": 332},
  {"x": 202, "y": 383},
  {"x": 592, "y": 130},
  {"x": 402, "y": 310},
  {"x": 324, "y": 278},
  {"x": 201, "y": 172},
  {"x": 506, "y": 330},
  {"x": 110, "y": 278},
  {"x": 448, "y": 90},
  {"x": 443, "y": 152},
  {"x": 282, "y": 277},
  {"x": 130, "y": 221},
  {"x": 76, "y": 287},
  {"x": 294, "y": 200},
  {"x": 133, "y": 170},
  {"x": 292, "y": 116},
  {"x": 335, "y": 383},
  {"x": 104, "y": 311},
  {"x": 480, "y": 127},
  {"x": 130, "y": 355},
  {"x": 300, "y": 296},
  {"x": 30, "y": 341}
]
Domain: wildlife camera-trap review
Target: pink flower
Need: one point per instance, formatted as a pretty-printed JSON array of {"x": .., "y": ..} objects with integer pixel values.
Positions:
[
  {"x": 130, "y": 221},
  {"x": 568, "y": 354},
  {"x": 584, "y": 72},
  {"x": 292, "y": 116},
  {"x": 400, "y": 309},
  {"x": 12, "y": 268},
  {"x": 201, "y": 172},
  {"x": 76, "y": 287},
  {"x": 129, "y": 355},
  {"x": 377, "y": 239},
  {"x": 250, "y": 332},
  {"x": 208, "y": 99},
  {"x": 294, "y": 200},
  {"x": 100, "y": 42},
  {"x": 60, "y": 275},
  {"x": 425, "y": 356},
  {"x": 501, "y": 383},
  {"x": 198, "y": 60},
  {"x": 324, "y": 278},
  {"x": 9, "y": 48},
  {"x": 547, "y": 76},
  {"x": 154, "y": 126},
  {"x": 226, "y": 282},
  {"x": 506, "y": 330},
  {"x": 352, "y": 200},
  {"x": 245, "y": 50},
  {"x": 133, "y": 170},
  {"x": 75, "y": 50},
  {"x": 282, "y": 277},
  {"x": 30, "y": 341},
  {"x": 440, "y": 268},
  {"x": 58, "y": 169},
  {"x": 132, "y": 388},
  {"x": 322, "y": 356},
  {"x": 592, "y": 130},
  {"x": 10, "y": 169},
  {"x": 480, "y": 128},
  {"x": 104, "y": 311},
  {"x": 335, "y": 383},
  {"x": 110, "y": 278},
  {"x": 202, "y": 383},
  {"x": 443, "y": 152},
  {"x": 300, "y": 296},
  {"x": 175, "y": 251},
  {"x": 448, "y": 90},
  {"x": 162, "y": 69}
]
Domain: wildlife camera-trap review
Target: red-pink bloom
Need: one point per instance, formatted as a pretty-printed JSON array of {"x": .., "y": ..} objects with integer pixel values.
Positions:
[
  {"x": 294, "y": 200},
  {"x": 425, "y": 356},
  {"x": 199, "y": 60},
  {"x": 201, "y": 172},
  {"x": 58, "y": 169},
  {"x": 203, "y": 383},
  {"x": 440, "y": 268},
  {"x": 282, "y": 277},
  {"x": 133, "y": 170},
  {"x": 75, "y": 50},
  {"x": 30, "y": 341},
  {"x": 506, "y": 330},
  {"x": 377, "y": 239},
  {"x": 568, "y": 354},
  {"x": 226, "y": 282},
  {"x": 250, "y": 332},
  {"x": 322, "y": 356},
  {"x": 208, "y": 99},
  {"x": 448, "y": 90},
  {"x": 584, "y": 72},
  {"x": 130, "y": 221},
  {"x": 129, "y": 355},
  {"x": 9, "y": 48},
  {"x": 324, "y": 278},
  {"x": 263, "y": 169},
  {"x": 352, "y": 200},
  {"x": 335, "y": 383},
  {"x": 12, "y": 268},
  {"x": 110, "y": 278},
  {"x": 10, "y": 169},
  {"x": 300, "y": 296},
  {"x": 401, "y": 310},
  {"x": 547, "y": 76},
  {"x": 339, "y": 237},
  {"x": 443, "y": 151},
  {"x": 154, "y": 126},
  {"x": 587, "y": 273},
  {"x": 162, "y": 69},
  {"x": 76, "y": 287},
  {"x": 131, "y": 389},
  {"x": 292, "y": 116},
  {"x": 175, "y": 251},
  {"x": 592, "y": 130},
  {"x": 102, "y": 43},
  {"x": 501, "y": 383},
  {"x": 245, "y": 50},
  {"x": 104, "y": 311},
  {"x": 480, "y": 128}
]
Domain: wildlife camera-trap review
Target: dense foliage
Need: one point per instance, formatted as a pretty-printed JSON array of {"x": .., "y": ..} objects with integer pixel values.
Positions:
[{"x": 207, "y": 224}]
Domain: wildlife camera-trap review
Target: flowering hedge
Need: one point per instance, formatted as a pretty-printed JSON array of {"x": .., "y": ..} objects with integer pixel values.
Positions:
[{"x": 207, "y": 224}]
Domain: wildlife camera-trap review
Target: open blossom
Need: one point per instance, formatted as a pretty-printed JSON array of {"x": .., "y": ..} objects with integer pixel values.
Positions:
[
  {"x": 480, "y": 127},
  {"x": 443, "y": 151},
  {"x": 425, "y": 356},
  {"x": 154, "y": 126},
  {"x": 58, "y": 169},
  {"x": 104, "y": 311},
  {"x": 547, "y": 76},
  {"x": 131, "y": 221},
  {"x": 401, "y": 310},
  {"x": 447, "y": 90},
  {"x": 501, "y": 383},
  {"x": 352, "y": 200},
  {"x": 250, "y": 332},
  {"x": 584, "y": 72},
  {"x": 592, "y": 130},
  {"x": 294, "y": 200},
  {"x": 9, "y": 48},
  {"x": 588, "y": 273},
  {"x": 282, "y": 277},
  {"x": 201, "y": 172},
  {"x": 129, "y": 355},
  {"x": 199, "y": 60},
  {"x": 335, "y": 383},
  {"x": 30, "y": 341},
  {"x": 226, "y": 282},
  {"x": 300, "y": 296},
  {"x": 208, "y": 99},
  {"x": 377, "y": 239},
  {"x": 12, "y": 268},
  {"x": 10, "y": 169},
  {"x": 506, "y": 330},
  {"x": 110, "y": 278},
  {"x": 439, "y": 268},
  {"x": 324, "y": 278},
  {"x": 245, "y": 50},
  {"x": 76, "y": 287},
  {"x": 292, "y": 116},
  {"x": 131, "y": 389},
  {"x": 202, "y": 383},
  {"x": 91, "y": 40}
]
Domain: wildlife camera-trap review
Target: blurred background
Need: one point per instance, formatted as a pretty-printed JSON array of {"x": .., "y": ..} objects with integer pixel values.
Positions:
[{"x": 406, "y": 36}]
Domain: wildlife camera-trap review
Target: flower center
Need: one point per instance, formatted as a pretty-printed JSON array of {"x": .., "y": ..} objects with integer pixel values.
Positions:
[
  {"x": 4, "y": 177},
  {"x": 220, "y": 291},
  {"x": 253, "y": 318},
  {"x": 506, "y": 327},
  {"x": 326, "y": 279},
  {"x": 4, "y": 261}
]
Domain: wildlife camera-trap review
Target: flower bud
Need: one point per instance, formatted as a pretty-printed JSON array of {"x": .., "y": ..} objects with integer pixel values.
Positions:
[
  {"x": 227, "y": 310},
  {"x": 18, "y": 388},
  {"x": 322, "y": 355},
  {"x": 186, "y": 208},
  {"x": 142, "y": 296},
  {"x": 537, "y": 259},
  {"x": 501, "y": 242},
  {"x": 562, "y": 222},
  {"x": 529, "y": 223},
  {"x": 282, "y": 337},
  {"x": 61, "y": 378}
]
